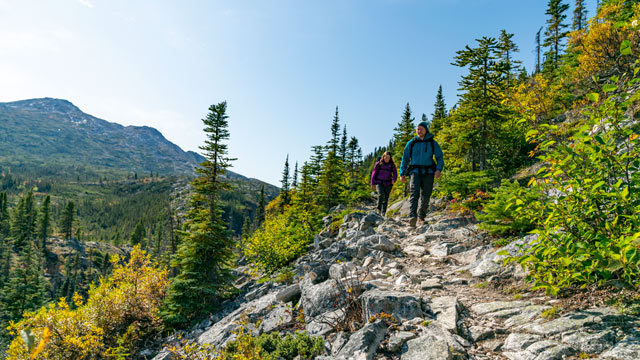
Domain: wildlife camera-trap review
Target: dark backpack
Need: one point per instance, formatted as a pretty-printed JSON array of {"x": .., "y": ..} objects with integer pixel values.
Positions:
[{"x": 431, "y": 167}]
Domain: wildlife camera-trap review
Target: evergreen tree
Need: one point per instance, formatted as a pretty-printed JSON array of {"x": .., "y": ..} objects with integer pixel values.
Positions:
[
  {"x": 334, "y": 143},
  {"x": 554, "y": 33},
  {"x": 67, "y": 220},
  {"x": 439, "y": 115},
  {"x": 26, "y": 289},
  {"x": 285, "y": 196},
  {"x": 506, "y": 48},
  {"x": 4, "y": 215},
  {"x": 45, "y": 221},
  {"x": 206, "y": 250},
  {"x": 538, "y": 50},
  {"x": 342, "y": 152},
  {"x": 138, "y": 235},
  {"x": 260, "y": 211},
  {"x": 579, "y": 15},
  {"x": 330, "y": 181},
  {"x": 294, "y": 179},
  {"x": 404, "y": 132},
  {"x": 354, "y": 163},
  {"x": 315, "y": 163},
  {"x": 23, "y": 222},
  {"x": 483, "y": 97}
]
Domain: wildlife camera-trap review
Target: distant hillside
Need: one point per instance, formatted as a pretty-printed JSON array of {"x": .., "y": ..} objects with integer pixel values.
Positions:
[{"x": 46, "y": 132}]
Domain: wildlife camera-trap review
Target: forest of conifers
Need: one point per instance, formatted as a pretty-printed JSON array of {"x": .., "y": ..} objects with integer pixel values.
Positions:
[{"x": 551, "y": 150}]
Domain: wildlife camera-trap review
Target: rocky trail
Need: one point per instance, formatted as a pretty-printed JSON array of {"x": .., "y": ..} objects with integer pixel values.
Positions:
[{"x": 376, "y": 289}]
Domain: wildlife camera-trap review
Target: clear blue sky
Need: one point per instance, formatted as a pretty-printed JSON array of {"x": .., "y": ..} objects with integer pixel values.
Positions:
[{"x": 282, "y": 65}]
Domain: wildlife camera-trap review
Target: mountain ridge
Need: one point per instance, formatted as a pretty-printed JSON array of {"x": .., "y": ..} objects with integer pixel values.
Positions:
[{"x": 33, "y": 130}]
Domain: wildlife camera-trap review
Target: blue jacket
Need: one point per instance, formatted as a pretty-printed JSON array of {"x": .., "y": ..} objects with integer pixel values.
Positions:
[{"x": 421, "y": 155}]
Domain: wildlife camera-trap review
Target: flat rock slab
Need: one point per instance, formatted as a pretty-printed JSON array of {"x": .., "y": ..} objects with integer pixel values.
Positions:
[
  {"x": 401, "y": 305},
  {"x": 626, "y": 349},
  {"x": 434, "y": 344},
  {"x": 569, "y": 322},
  {"x": 397, "y": 340},
  {"x": 542, "y": 350},
  {"x": 364, "y": 342},
  {"x": 446, "y": 308},
  {"x": 526, "y": 315},
  {"x": 594, "y": 342},
  {"x": 415, "y": 250},
  {"x": 486, "y": 308},
  {"x": 430, "y": 284}
]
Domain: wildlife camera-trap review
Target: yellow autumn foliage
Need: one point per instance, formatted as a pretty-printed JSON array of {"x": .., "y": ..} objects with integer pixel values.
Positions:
[
  {"x": 598, "y": 46},
  {"x": 119, "y": 314},
  {"x": 536, "y": 99}
]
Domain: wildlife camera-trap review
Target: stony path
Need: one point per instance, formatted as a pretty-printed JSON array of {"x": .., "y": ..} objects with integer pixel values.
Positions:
[{"x": 437, "y": 283}]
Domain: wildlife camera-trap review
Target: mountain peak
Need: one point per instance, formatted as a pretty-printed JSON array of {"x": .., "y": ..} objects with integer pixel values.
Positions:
[{"x": 49, "y": 105}]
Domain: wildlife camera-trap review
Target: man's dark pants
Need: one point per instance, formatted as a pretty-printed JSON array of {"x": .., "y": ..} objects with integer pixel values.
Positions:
[
  {"x": 421, "y": 186},
  {"x": 383, "y": 197}
]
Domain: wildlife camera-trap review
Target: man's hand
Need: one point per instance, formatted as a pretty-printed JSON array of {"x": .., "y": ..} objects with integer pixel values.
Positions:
[
  {"x": 437, "y": 174},
  {"x": 373, "y": 187},
  {"x": 403, "y": 178}
]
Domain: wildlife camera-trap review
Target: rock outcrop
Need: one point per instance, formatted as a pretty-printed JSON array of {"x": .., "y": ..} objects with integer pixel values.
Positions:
[{"x": 420, "y": 293}]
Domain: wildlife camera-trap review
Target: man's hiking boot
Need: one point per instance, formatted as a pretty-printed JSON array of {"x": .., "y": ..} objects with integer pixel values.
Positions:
[
  {"x": 422, "y": 221},
  {"x": 412, "y": 222}
]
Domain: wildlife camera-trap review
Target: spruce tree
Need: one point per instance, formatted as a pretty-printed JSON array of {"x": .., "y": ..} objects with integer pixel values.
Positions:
[
  {"x": 260, "y": 211},
  {"x": 294, "y": 179},
  {"x": 354, "y": 163},
  {"x": 44, "y": 223},
  {"x": 538, "y": 49},
  {"x": 334, "y": 143},
  {"x": 579, "y": 15},
  {"x": 67, "y": 220},
  {"x": 404, "y": 132},
  {"x": 483, "y": 96},
  {"x": 439, "y": 115},
  {"x": 206, "y": 250},
  {"x": 554, "y": 33},
  {"x": 26, "y": 289},
  {"x": 4, "y": 215},
  {"x": 285, "y": 196},
  {"x": 506, "y": 48},
  {"x": 330, "y": 183},
  {"x": 23, "y": 222},
  {"x": 138, "y": 235},
  {"x": 342, "y": 152},
  {"x": 315, "y": 163}
]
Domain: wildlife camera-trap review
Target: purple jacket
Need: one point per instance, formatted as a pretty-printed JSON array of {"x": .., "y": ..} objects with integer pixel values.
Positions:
[{"x": 384, "y": 173}]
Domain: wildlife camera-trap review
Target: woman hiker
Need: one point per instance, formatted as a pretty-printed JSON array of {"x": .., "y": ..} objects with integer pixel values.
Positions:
[{"x": 383, "y": 177}]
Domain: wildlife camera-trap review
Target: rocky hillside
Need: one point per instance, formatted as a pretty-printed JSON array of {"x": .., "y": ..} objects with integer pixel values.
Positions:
[
  {"x": 440, "y": 291},
  {"x": 54, "y": 131}
]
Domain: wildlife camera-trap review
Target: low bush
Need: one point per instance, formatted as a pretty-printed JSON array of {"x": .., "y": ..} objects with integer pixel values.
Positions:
[
  {"x": 589, "y": 229},
  {"x": 118, "y": 317},
  {"x": 462, "y": 185},
  {"x": 509, "y": 210}
]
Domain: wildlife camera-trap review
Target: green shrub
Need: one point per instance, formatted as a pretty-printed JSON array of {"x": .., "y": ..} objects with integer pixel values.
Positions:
[
  {"x": 510, "y": 209},
  {"x": 272, "y": 346},
  {"x": 283, "y": 237},
  {"x": 461, "y": 185},
  {"x": 589, "y": 232}
]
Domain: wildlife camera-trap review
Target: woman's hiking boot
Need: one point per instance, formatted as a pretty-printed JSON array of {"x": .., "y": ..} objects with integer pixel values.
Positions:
[{"x": 412, "y": 222}]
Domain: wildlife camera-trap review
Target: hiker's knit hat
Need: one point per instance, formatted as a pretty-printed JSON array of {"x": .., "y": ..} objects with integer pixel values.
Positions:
[{"x": 425, "y": 125}]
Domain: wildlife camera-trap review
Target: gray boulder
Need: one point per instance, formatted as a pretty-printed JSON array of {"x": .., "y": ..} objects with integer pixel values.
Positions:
[
  {"x": 401, "y": 305},
  {"x": 364, "y": 343},
  {"x": 320, "y": 298}
]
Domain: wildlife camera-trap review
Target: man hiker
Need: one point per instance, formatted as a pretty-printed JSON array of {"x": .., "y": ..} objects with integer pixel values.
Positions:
[{"x": 419, "y": 164}]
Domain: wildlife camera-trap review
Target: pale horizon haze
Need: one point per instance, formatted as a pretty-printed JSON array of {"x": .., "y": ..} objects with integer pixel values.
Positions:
[{"x": 282, "y": 65}]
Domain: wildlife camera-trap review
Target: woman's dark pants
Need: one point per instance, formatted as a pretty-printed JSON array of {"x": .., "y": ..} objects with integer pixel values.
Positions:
[{"x": 383, "y": 198}]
